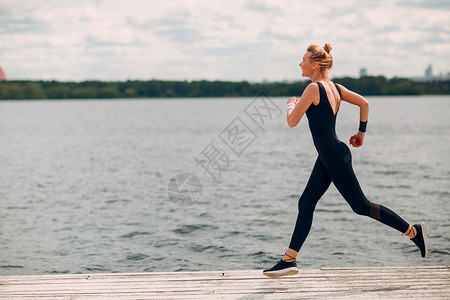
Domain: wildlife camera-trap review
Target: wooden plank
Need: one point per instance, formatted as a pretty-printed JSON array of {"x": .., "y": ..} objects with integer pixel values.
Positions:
[{"x": 336, "y": 283}]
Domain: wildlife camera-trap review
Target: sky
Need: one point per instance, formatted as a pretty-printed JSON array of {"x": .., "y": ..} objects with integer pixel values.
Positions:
[{"x": 233, "y": 40}]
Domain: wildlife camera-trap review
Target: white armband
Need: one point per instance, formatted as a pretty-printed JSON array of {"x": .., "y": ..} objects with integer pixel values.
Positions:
[{"x": 289, "y": 106}]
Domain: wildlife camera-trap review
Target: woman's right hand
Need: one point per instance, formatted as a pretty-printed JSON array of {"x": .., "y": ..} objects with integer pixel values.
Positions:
[
  {"x": 292, "y": 100},
  {"x": 357, "y": 139}
]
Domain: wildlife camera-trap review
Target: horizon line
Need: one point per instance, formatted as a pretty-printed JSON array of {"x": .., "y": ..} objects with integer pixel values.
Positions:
[{"x": 413, "y": 78}]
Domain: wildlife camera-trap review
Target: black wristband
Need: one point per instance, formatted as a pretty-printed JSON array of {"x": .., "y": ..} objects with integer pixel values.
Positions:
[{"x": 362, "y": 126}]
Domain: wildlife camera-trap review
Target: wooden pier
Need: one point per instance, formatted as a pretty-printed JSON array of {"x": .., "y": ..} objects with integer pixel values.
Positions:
[{"x": 325, "y": 283}]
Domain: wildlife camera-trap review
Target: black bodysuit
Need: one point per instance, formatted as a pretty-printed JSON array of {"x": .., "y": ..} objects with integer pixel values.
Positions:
[{"x": 334, "y": 164}]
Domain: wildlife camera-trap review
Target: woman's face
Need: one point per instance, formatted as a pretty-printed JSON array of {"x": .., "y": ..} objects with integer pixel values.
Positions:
[{"x": 306, "y": 65}]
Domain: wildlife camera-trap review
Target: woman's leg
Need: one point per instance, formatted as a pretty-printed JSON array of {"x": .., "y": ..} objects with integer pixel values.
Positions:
[
  {"x": 318, "y": 183},
  {"x": 347, "y": 184}
]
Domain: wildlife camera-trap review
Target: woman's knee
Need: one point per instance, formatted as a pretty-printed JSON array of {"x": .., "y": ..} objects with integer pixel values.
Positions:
[
  {"x": 369, "y": 209},
  {"x": 361, "y": 208}
]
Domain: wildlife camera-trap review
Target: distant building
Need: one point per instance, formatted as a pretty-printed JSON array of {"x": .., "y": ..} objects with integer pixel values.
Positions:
[
  {"x": 430, "y": 77},
  {"x": 363, "y": 72},
  {"x": 2, "y": 74},
  {"x": 429, "y": 72}
]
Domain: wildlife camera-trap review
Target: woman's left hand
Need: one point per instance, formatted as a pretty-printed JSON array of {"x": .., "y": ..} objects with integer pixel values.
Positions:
[
  {"x": 357, "y": 139},
  {"x": 293, "y": 100}
]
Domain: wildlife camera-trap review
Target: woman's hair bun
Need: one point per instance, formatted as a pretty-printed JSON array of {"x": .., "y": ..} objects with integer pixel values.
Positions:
[{"x": 327, "y": 47}]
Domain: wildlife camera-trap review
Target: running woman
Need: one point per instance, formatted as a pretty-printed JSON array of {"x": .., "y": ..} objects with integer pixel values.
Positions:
[{"x": 320, "y": 101}]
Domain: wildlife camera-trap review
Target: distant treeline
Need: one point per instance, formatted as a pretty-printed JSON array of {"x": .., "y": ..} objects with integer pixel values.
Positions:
[{"x": 367, "y": 85}]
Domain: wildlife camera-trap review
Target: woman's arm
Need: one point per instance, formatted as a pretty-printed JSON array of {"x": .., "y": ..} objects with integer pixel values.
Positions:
[
  {"x": 310, "y": 95},
  {"x": 356, "y": 99}
]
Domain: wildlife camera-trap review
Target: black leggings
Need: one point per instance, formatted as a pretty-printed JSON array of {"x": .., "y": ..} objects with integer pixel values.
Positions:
[{"x": 347, "y": 184}]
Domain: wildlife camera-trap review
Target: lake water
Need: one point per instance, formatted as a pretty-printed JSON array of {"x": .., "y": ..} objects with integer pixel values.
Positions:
[{"x": 84, "y": 185}]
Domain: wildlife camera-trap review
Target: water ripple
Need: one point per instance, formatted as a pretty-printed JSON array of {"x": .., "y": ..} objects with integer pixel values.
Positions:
[
  {"x": 136, "y": 256},
  {"x": 135, "y": 233},
  {"x": 186, "y": 229}
]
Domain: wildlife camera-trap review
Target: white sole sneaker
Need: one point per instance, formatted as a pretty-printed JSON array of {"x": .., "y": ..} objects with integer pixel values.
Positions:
[
  {"x": 425, "y": 237},
  {"x": 280, "y": 273}
]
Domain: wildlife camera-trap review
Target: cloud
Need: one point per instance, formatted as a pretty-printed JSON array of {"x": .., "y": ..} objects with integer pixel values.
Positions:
[
  {"x": 261, "y": 6},
  {"x": 18, "y": 26},
  {"x": 236, "y": 40},
  {"x": 431, "y": 4}
]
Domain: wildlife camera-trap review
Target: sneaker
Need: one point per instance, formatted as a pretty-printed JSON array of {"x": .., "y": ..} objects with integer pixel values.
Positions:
[
  {"x": 421, "y": 238},
  {"x": 282, "y": 268}
]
